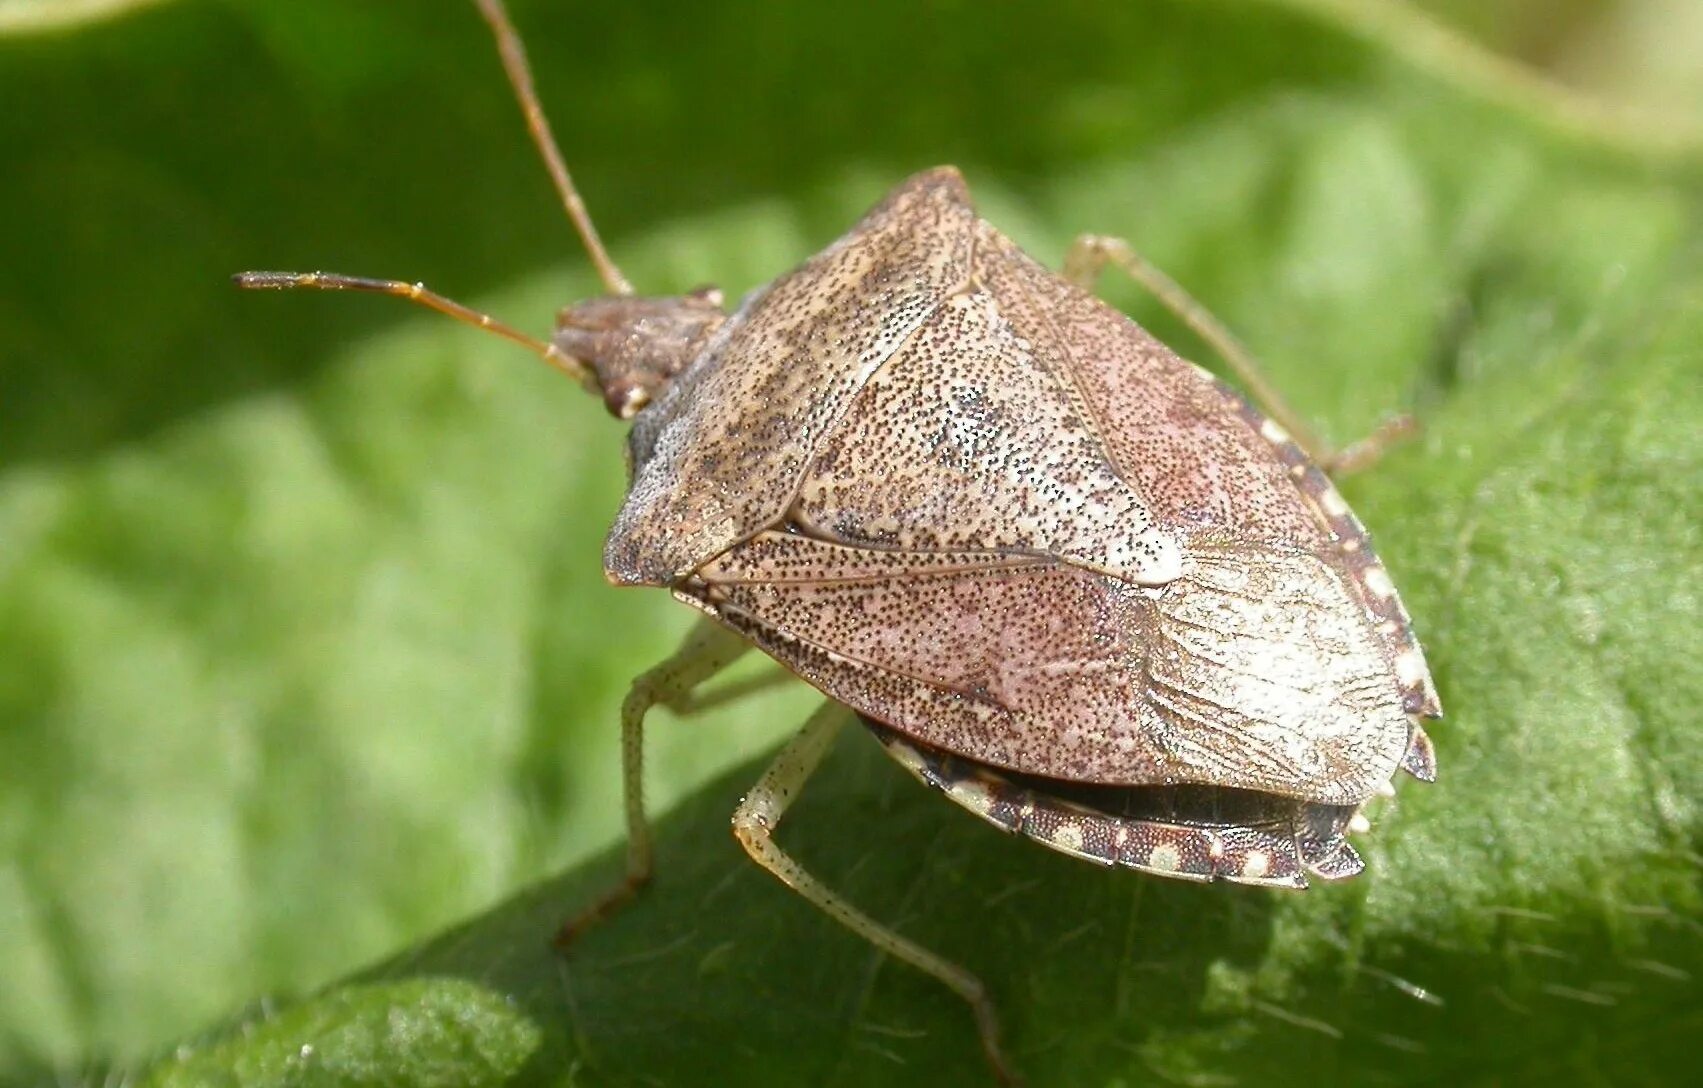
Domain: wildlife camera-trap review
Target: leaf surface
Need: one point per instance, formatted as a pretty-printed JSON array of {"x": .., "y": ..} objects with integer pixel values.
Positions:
[{"x": 306, "y": 657}]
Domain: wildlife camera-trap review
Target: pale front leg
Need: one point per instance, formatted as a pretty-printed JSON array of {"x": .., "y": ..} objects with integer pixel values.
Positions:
[
  {"x": 754, "y": 823},
  {"x": 1089, "y": 256},
  {"x": 698, "y": 701},
  {"x": 708, "y": 649}
]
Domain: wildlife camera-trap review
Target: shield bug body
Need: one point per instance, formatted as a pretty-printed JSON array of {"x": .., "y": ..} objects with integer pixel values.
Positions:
[{"x": 1076, "y": 583}]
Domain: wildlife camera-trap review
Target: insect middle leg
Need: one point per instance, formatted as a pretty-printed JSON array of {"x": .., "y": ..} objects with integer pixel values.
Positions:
[
  {"x": 697, "y": 700},
  {"x": 754, "y": 823},
  {"x": 1091, "y": 253},
  {"x": 707, "y": 650}
]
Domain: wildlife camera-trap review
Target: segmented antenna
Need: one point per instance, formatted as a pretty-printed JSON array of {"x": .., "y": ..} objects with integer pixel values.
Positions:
[
  {"x": 424, "y": 296},
  {"x": 520, "y": 77}
]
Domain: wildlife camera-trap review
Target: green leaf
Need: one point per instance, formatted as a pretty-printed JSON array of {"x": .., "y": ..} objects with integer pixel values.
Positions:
[
  {"x": 413, "y": 1034},
  {"x": 307, "y": 663}
]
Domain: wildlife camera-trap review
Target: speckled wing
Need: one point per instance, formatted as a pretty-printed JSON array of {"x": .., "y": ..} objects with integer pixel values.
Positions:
[
  {"x": 1033, "y": 536},
  {"x": 1214, "y": 472},
  {"x": 1020, "y": 661},
  {"x": 1052, "y": 669},
  {"x": 974, "y": 434},
  {"x": 719, "y": 456}
]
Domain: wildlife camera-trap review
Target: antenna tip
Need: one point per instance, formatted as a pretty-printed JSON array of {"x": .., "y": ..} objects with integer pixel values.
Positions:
[{"x": 264, "y": 280}]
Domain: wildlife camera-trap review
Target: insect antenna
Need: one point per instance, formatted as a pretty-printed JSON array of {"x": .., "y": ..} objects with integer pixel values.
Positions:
[
  {"x": 520, "y": 77},
  {"x": 416, "y": 292}
]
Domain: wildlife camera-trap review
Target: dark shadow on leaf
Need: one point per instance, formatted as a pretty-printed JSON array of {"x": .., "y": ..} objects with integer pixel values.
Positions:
[{"x": 720, "y": 975}]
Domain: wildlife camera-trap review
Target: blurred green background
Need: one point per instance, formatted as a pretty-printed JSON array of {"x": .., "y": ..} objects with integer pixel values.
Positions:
[{"x": 305, "y": 654}]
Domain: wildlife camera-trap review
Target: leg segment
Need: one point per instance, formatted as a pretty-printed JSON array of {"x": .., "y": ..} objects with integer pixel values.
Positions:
[
  {"x": 707, "y": 650},
  {"x": 1091, "y": 253},
  {"x": 754, "y": 823},
  {"x": 697, "y": 701}
]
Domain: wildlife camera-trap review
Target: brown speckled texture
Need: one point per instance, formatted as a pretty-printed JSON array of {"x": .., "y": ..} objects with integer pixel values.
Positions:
[
  {"x": 968, "y": 499},
  {"x": 1189, "y": 832},
  {"x": 719, "y": 455}
]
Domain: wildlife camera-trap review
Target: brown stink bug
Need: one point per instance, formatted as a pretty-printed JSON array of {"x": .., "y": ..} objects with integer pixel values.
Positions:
[{"x": 1071, "y": 580}]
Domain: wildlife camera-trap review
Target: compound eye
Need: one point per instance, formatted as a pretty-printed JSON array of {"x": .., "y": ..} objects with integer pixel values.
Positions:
[{"x": 626, "y": 399}]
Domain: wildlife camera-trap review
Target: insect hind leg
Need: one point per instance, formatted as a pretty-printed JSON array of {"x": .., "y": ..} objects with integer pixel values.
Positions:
[
  {"x": 1091, "y": 253},
  {"x": 754, "y": 822}
]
